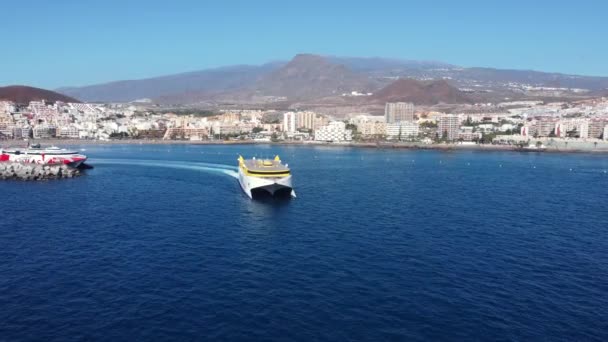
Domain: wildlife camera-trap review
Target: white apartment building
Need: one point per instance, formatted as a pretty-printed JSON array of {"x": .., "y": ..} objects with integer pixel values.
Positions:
[
  {"x": 409, "y": 129},
  {"x": 294, "y": 120},
  {"x": 68, "y": 132},
  {"x": 584, "y": 129},
  {"x": 545, "y": 126},
  {"x": 402, "y": 130},
  {"x": 320, "y": 121},
  {"x": 581, "y": 126},
  {"x": 7, "y": 107},
  {"x": 6, "y": 131},
  {"x": 467, "y": 134},
  {"x": 370, "y": 129},
  {"x": 528, "y": 131},
  {"x": 6, "y": 119},
  {"x": 365, "y": 118},
  {"x": 26, "y": 131},
  {"x": 306, "y": 119},
  {"x": 448, "y": 125},
  {"x": 596, "y": 127},
  {"x": 398, "y": 111},
  {"x": 335, "y": 131},
  {"x": 44, "y": 131},
  {"x": 17, "y": 133},
  {"x": 289, "y": 122}
]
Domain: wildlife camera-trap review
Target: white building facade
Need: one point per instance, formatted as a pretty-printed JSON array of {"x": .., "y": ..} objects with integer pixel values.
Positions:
[
  {"x": 398, "y": 111},
  {"x": 404, "y": 130},
  {"x": 334, "y": 132},
  {"x": 448, "y": 126},
  {"x": 289, "y": 122}
]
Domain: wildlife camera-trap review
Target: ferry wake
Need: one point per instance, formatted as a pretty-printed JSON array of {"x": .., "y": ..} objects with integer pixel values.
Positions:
[{"x": 260, "y": 177}]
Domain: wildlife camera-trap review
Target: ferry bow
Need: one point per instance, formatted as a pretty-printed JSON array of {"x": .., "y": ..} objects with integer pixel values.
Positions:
[{"x": 259, "y": 177}]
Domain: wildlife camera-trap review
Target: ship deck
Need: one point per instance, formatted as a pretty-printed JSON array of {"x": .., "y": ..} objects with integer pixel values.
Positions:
[
  {"x": 31, "y": 151},
  {"x": 264, "y": 166}
]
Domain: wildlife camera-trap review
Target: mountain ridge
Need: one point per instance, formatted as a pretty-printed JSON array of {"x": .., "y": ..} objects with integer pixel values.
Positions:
[
  {"x": 309, "y": 76},
  {"x": 208, "y": 80}
]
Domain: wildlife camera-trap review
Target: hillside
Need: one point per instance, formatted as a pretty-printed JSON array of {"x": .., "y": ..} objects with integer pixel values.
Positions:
[
  {"x": 311, "y": 76},
  {"x": 25, "y": 94},
  {"x": 204, "y": 81},
  {"x": 421, "y": 93}
]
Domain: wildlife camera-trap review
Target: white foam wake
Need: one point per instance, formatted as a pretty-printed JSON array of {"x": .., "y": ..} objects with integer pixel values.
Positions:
[{"x": 205, "y": 167}]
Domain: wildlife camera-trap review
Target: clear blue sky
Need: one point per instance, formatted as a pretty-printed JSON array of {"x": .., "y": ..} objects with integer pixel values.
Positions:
[{"x": 53, "y": 43}]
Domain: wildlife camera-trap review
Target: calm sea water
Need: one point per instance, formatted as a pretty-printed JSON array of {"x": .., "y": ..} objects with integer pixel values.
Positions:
[{"x": 379, "y": 245}]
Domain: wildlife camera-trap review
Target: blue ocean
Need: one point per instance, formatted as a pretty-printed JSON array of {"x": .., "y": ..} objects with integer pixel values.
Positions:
[{"x": 158, "y": 242}]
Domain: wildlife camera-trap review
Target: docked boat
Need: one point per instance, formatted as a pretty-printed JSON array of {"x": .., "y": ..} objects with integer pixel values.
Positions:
[
  {"x": 259, "y": 177},
  {"x": 534, "y": 148},
  {"x": 36, "y": 154}
]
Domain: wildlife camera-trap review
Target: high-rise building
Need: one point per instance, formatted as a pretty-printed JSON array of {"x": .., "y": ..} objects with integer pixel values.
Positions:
[
  {"x": 576, "y": 127},
  {"x": 294, "y": 120},
  {"x": 398, "y": 111},
  {"x": 528, "y": 130},
  {"x": 583, "y": 129},
  {"x": 448, "y": 126},
  {"x": 306, "y": 120},
  {"x": 596, "y": 128},
  {"x": 545, "y": 126},
  {"x": 289, "y": 122}
]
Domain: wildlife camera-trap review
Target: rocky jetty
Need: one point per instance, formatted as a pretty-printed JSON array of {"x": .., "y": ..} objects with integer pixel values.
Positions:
[{"x": 36, "y": 172}]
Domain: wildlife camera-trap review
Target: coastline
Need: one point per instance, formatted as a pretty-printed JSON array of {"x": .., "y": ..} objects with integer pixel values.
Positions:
[{"x": 368, "y": 145}]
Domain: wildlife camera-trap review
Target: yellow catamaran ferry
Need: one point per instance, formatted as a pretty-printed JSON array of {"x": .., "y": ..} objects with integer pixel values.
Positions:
[{"x": 265, "y": 176}]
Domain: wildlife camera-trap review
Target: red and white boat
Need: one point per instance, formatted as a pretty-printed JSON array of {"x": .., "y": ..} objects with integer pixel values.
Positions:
[{"x": 37, "y": 155}]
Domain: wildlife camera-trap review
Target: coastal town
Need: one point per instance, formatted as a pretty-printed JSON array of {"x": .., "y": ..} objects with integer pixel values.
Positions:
[
  {"x": 536, "y": 124},
  {"x": 304, "y": 171}
]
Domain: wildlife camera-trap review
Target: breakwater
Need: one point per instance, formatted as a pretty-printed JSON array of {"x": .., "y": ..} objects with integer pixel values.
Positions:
[{"x": 36, "y": 172}]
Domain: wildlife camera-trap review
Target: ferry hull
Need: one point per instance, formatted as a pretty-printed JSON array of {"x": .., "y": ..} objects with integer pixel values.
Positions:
[
  {"x": 258, "y": 186},
  {"x": 68, "y": 159}
]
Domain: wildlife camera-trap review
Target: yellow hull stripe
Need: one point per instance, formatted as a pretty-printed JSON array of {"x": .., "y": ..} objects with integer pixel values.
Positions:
[{"x": 262, "y": 174}]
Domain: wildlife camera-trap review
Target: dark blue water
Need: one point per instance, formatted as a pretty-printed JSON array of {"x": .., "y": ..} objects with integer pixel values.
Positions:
[{"x": 379, "y": 245}]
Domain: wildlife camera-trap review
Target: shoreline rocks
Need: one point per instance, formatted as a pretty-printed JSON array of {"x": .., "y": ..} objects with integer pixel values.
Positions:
[{"x": 36, "y": 172}]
